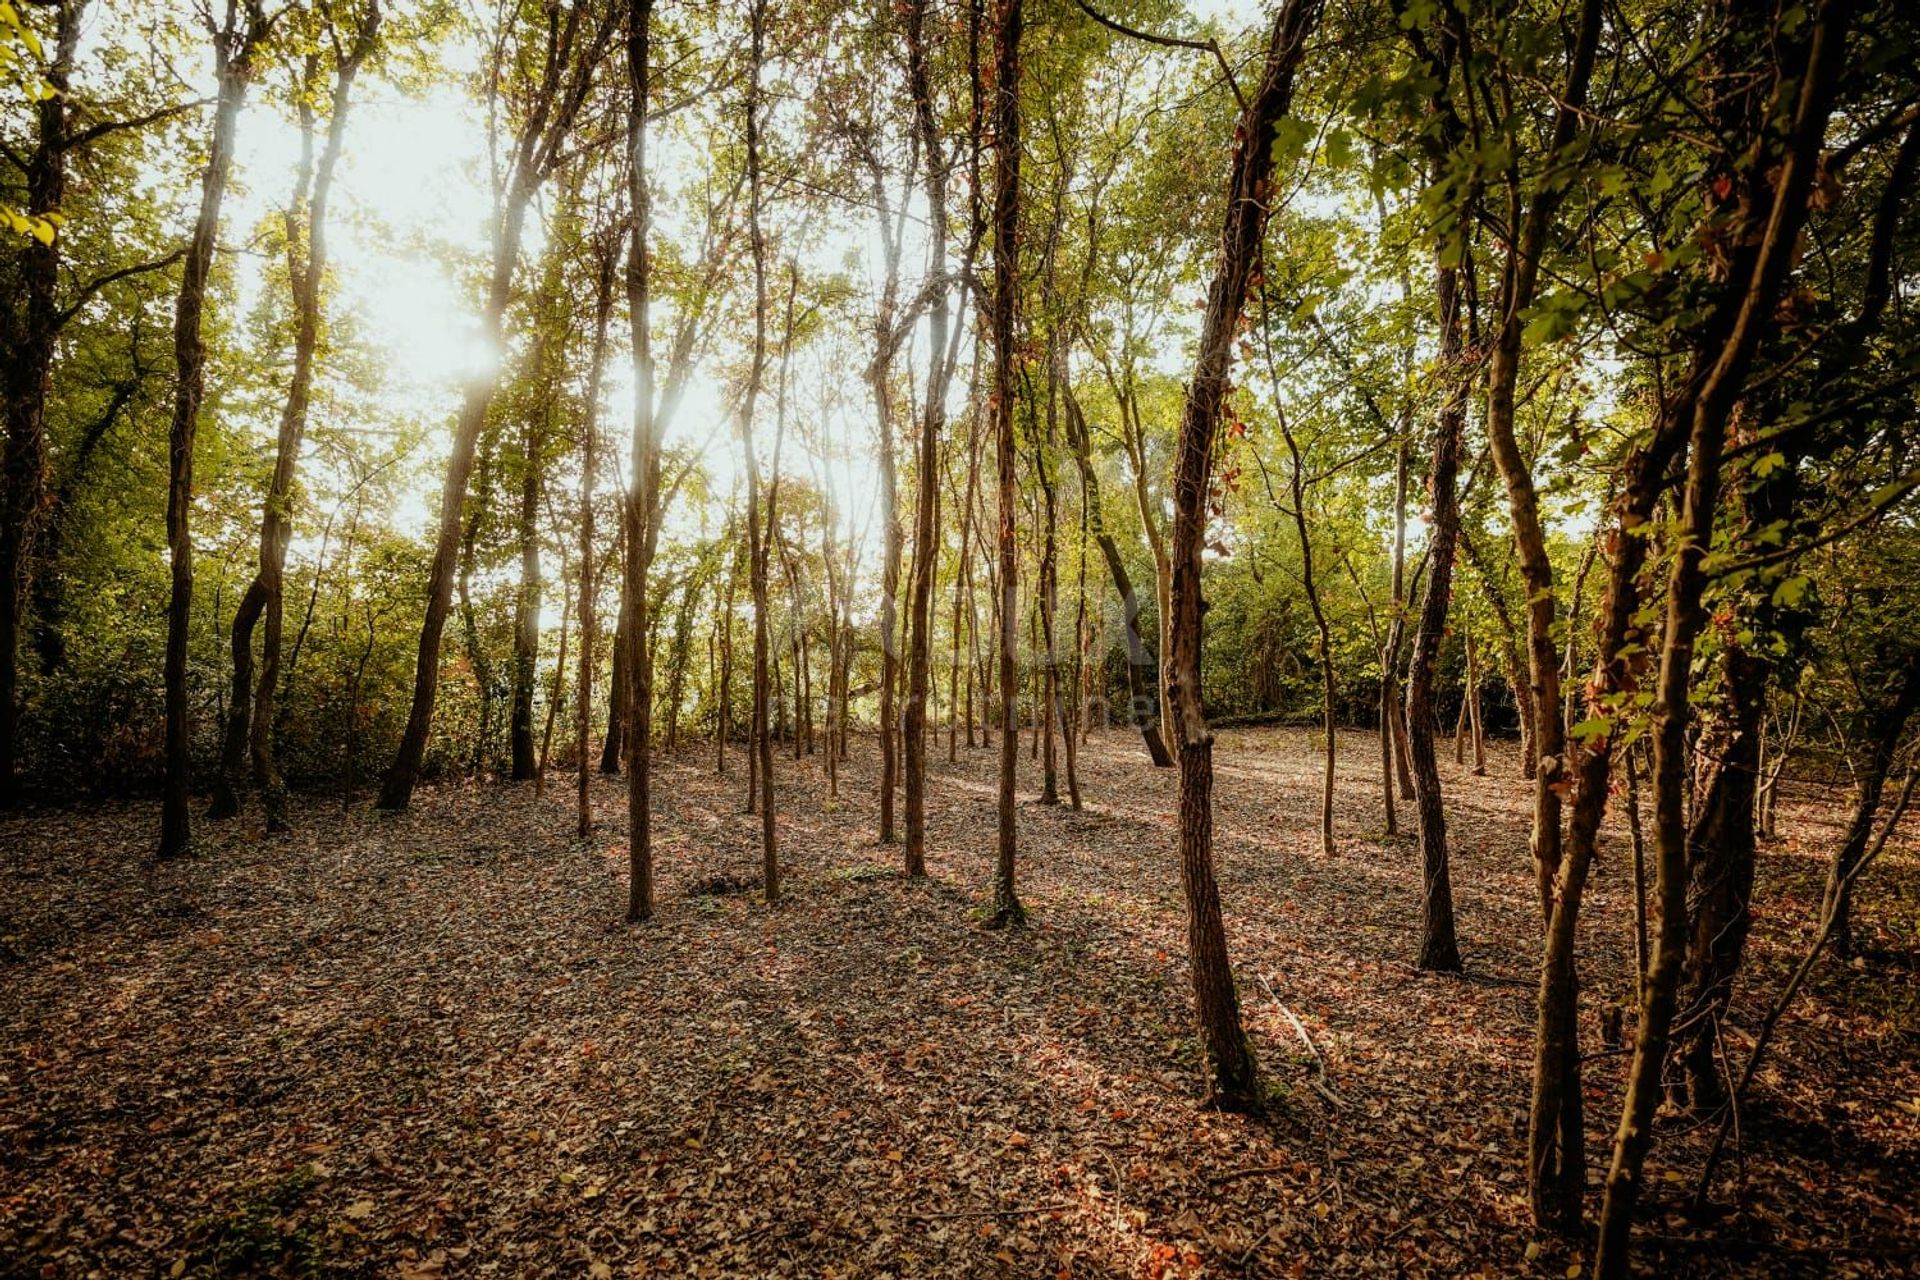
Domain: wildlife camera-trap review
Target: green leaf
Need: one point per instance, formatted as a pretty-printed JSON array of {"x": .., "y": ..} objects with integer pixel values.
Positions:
[{"x": 1591, "y": 729}]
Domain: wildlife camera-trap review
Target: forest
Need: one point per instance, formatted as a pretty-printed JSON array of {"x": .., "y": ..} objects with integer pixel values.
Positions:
[{"x": 959, "y": 638}]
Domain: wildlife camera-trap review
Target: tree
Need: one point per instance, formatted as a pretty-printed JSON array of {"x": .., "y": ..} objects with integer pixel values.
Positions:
[
  {"x": 1772, "y": 175},
  {"x": 1008, "y": 17},
  {"x": 759, "y": 535},
  {"x": 237, "y": 43},
  {"x": 251, "y": 704},
  {"x": 542, "y": 110},
  {"x": 1232, "y": 1078}
]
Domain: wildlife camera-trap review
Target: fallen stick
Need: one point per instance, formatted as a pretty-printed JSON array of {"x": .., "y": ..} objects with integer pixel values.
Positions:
[
  {"x": 991, "y": 1213},
  {"x": 1319, "y": 1083}
]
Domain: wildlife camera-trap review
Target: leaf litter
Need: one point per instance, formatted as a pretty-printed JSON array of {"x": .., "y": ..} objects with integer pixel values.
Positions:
[{"x": 426, "y": 1045}]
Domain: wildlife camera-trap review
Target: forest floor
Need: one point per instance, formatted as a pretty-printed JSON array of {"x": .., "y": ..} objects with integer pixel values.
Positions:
[{"x": 427, "y": 1046}]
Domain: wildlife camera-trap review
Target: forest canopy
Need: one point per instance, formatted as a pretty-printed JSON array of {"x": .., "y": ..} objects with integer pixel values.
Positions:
[{"x": 409, "y": 394}]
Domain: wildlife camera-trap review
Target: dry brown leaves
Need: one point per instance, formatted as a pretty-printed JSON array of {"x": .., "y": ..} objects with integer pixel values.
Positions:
[{"x": 426, "y": 1046}]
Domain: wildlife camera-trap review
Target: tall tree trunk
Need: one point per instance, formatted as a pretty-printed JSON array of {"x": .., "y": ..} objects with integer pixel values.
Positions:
[
  {"x": 251, "y": 711},
  {"x": 1519, "y": 281},
  {"x": 1140, "y": 708},
  {"x": 759, "y": 538},
  {"x": 880, "y": 376},
  {"x": 1008, "y": 17},
  {"x": 1774, "y": 175},
  {"x": 571, "y": 55},
  {"x": 607, "y": 257},
  {"x": 723, "y": 724},
  {"x": 1046, "y": 602},
  {"x": 927, "y": 467},
  {"x": 1327, "y": 678},
  {"x": 1390, "y": 714},
  {"x": 31, "y": 323},
  {"x": 235, "y": 46},
  {"x": 1231, "y": 1076},
  {"x": 643, "y": 493},
  {"x": 397, "y": 791},
  {"x": 1439, "y": 949},
  {"x": 276, "y": 527},
  {"x": 526, "y": 608}
]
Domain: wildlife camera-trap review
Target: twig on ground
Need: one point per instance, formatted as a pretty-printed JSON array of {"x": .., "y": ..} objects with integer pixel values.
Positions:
[
  {"x": 992, "y": 1213},
  {"x": 1319, "y": 1082}
]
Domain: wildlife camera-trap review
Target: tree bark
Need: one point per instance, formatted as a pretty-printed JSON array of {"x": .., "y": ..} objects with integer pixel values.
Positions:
[
  {"x": 927, "y": 468},
  {"x": 643, "y": 491},
  {"x": 1008, "y": 18},
  {"x": 1439, "y": 948},
  {"x": 1774, "y": 175},
  {"x": 235, "y": 46},
  {"x": 607, "y": 256},
  {"x": 1140, "y": 704},
  {"x": 1837, "y": 899},
  {"x": 31, "y": 321},
  {"x": 570, "y": 58},
  {"x": 1231, "y": 1076},
  {"x": 759, "y": 537}
]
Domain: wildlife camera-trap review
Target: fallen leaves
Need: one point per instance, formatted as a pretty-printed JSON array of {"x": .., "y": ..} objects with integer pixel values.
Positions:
[{"x": 425, "y": 1047}]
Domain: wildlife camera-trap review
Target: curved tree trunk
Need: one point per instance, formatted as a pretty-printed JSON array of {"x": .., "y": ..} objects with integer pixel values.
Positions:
[
  {"x": 1775, "y": 172},
  {"x": 759, "y": 537},
  {"x": 235, "y": 47},
  {"x": 926, "y": 549},
  {"x": 1232, "y": 1079},
  {"x": 1439, "y": 948},
  {"x": 1140, "y": 704},
  {"x": 1837, "y": 899}
]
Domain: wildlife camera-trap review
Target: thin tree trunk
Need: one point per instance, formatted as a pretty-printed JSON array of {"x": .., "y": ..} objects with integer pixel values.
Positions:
[
  {"x": 1328, "y": 689},
  {"x": 569, "y": 67},
  {"x": 643, "y": 493},
  {"x": 614, "y": 745},
  {"x": 1231, "y": 1075},
  {"x": 1008, "y": 18},
  {"x": 759, "y": 537},
  {"x": 607, "y": 259},
  {"x": 1773, "y": 209},
  {"x": 250, "y": 716},
  {"x": 558, "y": 692},
  {"x": 1439, "y": 948},
  {"x": 927, "y": 467},
  {"x": 235, "y": 46},
  {"x": 1837, "y": 898}
]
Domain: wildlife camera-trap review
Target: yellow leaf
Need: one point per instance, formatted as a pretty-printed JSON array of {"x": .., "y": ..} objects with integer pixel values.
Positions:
[
  {"x": 1573, "y": 1272},
  {"x": 179, "y": 1267},
  {"x": 360, "y": 1209}
]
